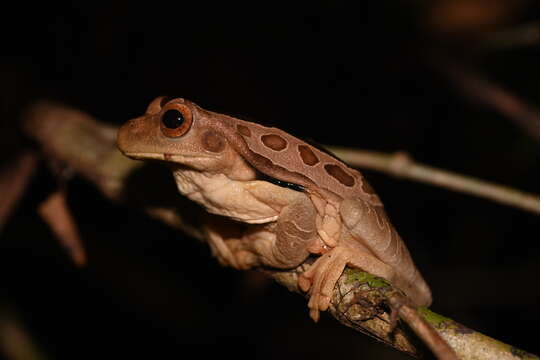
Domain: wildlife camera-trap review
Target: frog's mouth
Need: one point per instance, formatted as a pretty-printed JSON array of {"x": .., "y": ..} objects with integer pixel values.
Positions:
[
  {"x": 187, "y": 160},
  {"x": 143, "y": 155},
  {"x": 151, "y": 156},
  {"x": 164, "y": 156}
]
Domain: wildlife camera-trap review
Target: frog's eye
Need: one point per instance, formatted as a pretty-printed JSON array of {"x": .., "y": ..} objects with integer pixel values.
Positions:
[{"x": 175, "y": 120}]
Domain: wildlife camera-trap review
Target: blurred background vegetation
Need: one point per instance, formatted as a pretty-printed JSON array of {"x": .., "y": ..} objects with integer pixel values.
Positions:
[{"x": 365, "y": 75}]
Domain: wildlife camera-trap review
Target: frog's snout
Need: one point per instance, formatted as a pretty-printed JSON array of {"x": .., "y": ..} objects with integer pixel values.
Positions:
[{"x": 130, "y": 134}]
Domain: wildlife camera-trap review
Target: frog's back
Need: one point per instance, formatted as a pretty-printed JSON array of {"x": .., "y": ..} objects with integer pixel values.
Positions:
[{"x": 287, "y": 158}]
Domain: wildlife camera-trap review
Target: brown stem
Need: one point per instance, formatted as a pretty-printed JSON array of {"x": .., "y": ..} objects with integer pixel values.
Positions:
[
  {"x": 517, "y": 36},
  {"x": 422, "y": 328},
  {"x": 14, "y": 178},
  {"x": 485, "y": 92},
  {"x": 16, "y": 341},
  {"x": 55, "y": 211}
]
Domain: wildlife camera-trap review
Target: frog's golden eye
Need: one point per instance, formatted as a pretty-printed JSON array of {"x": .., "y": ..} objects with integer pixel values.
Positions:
[{"x": 175, "y": 120}]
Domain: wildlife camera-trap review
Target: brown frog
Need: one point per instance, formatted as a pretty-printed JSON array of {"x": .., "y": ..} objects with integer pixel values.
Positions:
[{"x": 278, "y": 199}]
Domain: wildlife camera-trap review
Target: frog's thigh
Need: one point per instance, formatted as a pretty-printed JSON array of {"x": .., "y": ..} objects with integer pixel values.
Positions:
[
  {"x": 369, "y": 225},
  {"x": 322, "y": 276},
  {"x": 215, "y": 229},
  {"x": 294, "y": 232},
  {"x": 225, "y": 238}
]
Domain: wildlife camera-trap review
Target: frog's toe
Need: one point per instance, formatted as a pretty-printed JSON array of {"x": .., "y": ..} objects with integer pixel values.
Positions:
[
  {"x": 320, "y": 280},
  {"x": 324, "y": 302},
  {"x": 314, "y": 314},
  {"x": 304, "y": 283},
  {"x": 313, "y": 305},
  {"x": 317, "y": 302}
]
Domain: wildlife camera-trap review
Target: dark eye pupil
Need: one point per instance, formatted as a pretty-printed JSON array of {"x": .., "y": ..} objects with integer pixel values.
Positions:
[{"x": 172, "y": 119}]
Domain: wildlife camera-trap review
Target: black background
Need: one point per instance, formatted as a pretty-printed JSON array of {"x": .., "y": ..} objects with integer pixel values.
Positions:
[{"x": 324, "y": 70}]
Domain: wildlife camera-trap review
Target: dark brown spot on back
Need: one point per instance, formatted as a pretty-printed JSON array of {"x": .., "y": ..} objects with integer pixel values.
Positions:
[
  {"x": 308, "y": 157},
  {"x": 339, "y": 174},
  {"x": 274, "y": 142},
  {"x": 265, "y": 166},
  {"x": 262, "y": 161},
  {"x": 243, "y": 130},
  {"x": 213, "y": 141}
]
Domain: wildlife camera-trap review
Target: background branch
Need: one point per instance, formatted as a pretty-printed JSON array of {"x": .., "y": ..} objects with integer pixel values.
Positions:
[
  {"x": 16, "y": 341},
  {"x": 483, "y": 91},
  {"x": 522, "y": 35},
  {"x": 14, "y": 177}
]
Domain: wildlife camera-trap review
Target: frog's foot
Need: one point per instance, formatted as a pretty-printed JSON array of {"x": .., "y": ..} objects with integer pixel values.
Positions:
[{"x": 322, "y": 276}]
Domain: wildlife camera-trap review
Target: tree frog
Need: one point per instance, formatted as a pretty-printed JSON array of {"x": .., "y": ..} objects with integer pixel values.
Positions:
[{"x": 274, "y": 200}]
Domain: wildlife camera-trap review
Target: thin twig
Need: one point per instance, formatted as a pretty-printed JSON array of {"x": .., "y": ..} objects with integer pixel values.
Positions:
[
  {"x": 16, "y": 342},
  {"x": 55, "y": 211},
  {"x": 517, "y": 36},
  {"x": 14, "y": 178},
  {"x": 401, "y": 165},
  {"x": 422, "y": 328},
  {"x": 483, "y": 91}
]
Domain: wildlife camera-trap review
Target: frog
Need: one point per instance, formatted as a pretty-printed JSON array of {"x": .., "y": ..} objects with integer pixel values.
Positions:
[{"x": 273, "y": 200}]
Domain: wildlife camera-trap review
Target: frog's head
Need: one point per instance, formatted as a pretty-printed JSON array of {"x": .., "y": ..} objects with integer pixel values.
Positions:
[{"x": 179, "y": 132}]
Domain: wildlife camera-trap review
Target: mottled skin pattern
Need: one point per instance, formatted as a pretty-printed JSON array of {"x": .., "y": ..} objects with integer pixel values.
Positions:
[{"x": 331, "y": 211}]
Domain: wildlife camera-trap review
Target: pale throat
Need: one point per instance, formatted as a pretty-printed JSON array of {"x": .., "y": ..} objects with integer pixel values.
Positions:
[{"x": 221, "y": 195}]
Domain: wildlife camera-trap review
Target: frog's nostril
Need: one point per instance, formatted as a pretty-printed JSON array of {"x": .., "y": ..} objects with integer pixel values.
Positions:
[
  {"x": 132, "y": 123},
  {"x": 135, "y": 125},
  {"x": 130, "y": 131}
]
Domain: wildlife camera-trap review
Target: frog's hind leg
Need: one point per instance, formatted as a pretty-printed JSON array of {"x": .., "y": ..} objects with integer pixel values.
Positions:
[
  {"x": 223, "y": 236},
  {"x": 322, "y": 276},
  {"x": 369, "y": 225},
  {"x": 296, "y": 231},
  {"x": 282, "y": 244}
]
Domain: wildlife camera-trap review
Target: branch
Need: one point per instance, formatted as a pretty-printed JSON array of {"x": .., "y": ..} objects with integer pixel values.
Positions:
[
  {"x": 421, "y": 327},
  {"x": 360, "y": 300},
  {"x": 481, "y": 90},
  {"x": 76, "y": 140},
  {"x": 16, "y": 343},
  {"x": 470, "y": 344},
  {"x": 518, "y": 36},
  {"x": 14, "y": 178},
  {"x": 401, "y": 165},
  {"x": 55, "y": 212}
]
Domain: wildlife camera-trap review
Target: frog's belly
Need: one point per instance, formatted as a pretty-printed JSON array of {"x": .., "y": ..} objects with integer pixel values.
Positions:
[{"x": 223, "y": 196}]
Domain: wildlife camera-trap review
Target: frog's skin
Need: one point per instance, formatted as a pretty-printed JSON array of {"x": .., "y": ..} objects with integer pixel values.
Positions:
[{"x": 273, "y": 200}]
